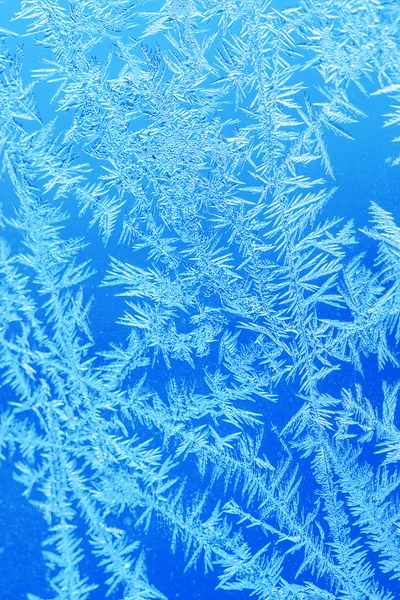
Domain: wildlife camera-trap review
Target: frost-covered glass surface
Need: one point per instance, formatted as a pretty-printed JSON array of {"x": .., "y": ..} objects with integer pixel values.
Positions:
[{"x": 199, "y": 299}]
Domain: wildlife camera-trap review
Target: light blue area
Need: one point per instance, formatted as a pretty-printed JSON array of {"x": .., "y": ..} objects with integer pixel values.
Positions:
[{"x": 199, "y": 300}]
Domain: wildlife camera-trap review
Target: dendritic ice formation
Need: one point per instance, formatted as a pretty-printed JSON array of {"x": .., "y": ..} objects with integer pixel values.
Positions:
[{"x": 197, "y": 345}]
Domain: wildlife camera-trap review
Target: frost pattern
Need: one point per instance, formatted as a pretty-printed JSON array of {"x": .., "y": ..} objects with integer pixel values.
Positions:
[{"x": 188, "y": 336}]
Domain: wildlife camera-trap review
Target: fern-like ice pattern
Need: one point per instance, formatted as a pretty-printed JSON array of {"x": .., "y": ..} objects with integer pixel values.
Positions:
[{"x": 199, "y": 313}]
